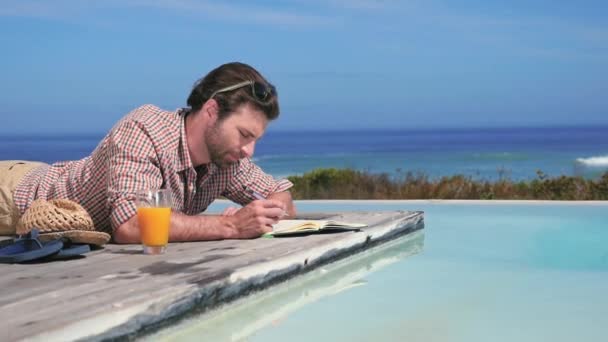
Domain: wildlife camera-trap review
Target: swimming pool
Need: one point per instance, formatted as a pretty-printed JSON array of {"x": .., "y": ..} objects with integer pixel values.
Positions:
[{"x": 478, "y": 271}]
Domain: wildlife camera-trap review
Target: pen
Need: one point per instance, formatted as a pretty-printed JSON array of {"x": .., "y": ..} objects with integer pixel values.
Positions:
[
  {"x": 255, "y": 194},
  {"x": 259, "y": 196}
]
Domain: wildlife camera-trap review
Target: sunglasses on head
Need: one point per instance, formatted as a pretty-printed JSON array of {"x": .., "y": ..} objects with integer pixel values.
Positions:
[{"x": 260, "y": 91}]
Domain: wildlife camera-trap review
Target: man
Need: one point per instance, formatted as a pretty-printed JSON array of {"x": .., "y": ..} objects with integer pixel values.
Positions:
[{"x": 200, "y": 153}]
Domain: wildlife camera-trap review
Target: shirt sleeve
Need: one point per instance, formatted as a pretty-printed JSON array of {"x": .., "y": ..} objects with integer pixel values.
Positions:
[
  {"x": 250, "y": 177},
  {"x": 133, "y": 164}
]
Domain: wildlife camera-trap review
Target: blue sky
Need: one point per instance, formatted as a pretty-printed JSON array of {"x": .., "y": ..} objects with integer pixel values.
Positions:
[{"x": 78, "y": 66}]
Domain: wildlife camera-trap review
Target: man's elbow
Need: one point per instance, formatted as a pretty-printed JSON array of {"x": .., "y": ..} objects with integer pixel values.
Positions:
[
  {"x": 120, "y": 237},
  {"x": 126, "y": 233}
]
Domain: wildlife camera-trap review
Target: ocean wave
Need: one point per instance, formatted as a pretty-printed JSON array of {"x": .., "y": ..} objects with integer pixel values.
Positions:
[
  {"x": 601, "y": 161},
  {"x": 500, "y": 156},
  {"x": 259, "y": 158},
  {"x": 301, "y": 156}
]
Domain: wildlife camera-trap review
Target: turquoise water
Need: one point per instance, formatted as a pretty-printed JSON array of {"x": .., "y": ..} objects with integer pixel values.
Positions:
[{"x": 482, "y": 272}]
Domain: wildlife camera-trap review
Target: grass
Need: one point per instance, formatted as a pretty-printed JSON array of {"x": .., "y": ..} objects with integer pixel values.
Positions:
[{"x": 331, "y": 183}]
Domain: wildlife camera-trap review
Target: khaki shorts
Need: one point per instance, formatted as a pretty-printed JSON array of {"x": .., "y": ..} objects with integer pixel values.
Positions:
[{"x": 11, "y": 173}]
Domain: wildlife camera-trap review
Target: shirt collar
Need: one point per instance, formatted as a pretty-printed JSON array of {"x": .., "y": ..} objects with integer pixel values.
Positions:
[{"x": 184, "y": 162}]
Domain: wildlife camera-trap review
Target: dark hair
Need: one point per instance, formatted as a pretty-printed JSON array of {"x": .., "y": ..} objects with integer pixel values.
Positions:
[{"x": 227, "y": 75}]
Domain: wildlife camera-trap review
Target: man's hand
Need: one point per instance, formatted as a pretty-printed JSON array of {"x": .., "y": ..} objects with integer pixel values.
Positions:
[{"x": 254, "y": 219}]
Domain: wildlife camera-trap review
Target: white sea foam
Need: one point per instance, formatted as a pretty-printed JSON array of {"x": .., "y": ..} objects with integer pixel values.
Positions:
[
  {"x": 300, "y": 156},
  {"x": 601, "y": 161}
]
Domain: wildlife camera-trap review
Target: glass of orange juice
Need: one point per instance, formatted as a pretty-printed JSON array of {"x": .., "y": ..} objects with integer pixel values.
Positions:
[{"x": 153, "y": 218}]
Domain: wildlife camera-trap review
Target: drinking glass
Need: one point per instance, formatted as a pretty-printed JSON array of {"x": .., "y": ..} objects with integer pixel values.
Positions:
[{"x": 154, "y": 216}]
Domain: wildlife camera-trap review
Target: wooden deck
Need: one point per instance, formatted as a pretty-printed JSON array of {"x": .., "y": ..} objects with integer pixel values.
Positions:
[{"x": 117, "y": 292}]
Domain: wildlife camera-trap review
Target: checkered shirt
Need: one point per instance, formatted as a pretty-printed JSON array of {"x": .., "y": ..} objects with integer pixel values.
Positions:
[{"x": 145, "y": 149}]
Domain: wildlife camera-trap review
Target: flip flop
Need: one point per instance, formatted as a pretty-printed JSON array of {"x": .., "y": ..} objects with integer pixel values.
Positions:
[
  {"x": 28, "y": 248},
  {"x": 70, "y": 250}
]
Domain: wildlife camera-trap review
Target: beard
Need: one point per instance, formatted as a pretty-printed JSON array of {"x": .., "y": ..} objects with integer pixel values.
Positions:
[{"x": 217, "y": 147}]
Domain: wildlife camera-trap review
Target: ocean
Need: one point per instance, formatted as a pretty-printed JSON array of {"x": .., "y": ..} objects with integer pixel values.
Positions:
[{"x": 483, "y": 154}]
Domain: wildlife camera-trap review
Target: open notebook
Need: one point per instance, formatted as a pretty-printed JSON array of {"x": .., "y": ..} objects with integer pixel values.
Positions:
[{"x": 300, "y": 227}]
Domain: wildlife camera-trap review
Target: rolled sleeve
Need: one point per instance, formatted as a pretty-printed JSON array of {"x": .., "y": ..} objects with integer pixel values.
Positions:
[
  {"x": 133, "y": 165},
  {"x": 250, "y": 177}
]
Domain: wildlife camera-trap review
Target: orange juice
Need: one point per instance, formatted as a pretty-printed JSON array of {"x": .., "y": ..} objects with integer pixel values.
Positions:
[{"x": 154, "y": 225}]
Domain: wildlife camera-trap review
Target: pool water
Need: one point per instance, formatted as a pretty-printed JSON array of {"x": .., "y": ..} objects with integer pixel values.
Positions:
[{"x": 482, "y": 272}]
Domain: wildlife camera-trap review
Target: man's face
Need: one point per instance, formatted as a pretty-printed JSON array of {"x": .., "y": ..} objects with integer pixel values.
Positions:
[{"x": 234, "y": 137}]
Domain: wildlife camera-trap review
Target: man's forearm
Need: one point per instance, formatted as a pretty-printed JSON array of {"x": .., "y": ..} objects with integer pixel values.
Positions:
[
  {"x": 200, "y": 227},
  {"x": 183, "y": 228},
  {"x": 249, "y": 222}
]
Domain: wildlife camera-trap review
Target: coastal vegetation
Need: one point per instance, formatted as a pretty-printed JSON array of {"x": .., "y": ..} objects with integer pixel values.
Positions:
[{"x": 331, "y": 183}]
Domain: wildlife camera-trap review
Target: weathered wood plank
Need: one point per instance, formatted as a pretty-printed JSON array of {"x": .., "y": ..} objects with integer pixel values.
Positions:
[{"x": 117, "y": 291}]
